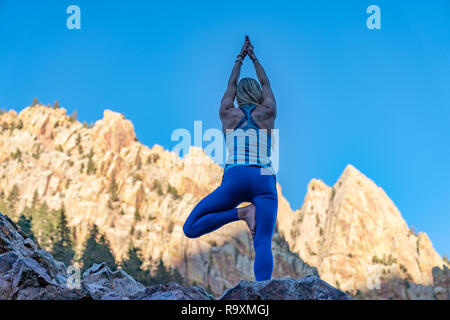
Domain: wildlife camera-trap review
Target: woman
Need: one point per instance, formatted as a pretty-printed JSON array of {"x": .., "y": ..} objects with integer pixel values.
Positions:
[{"x": 248, "y": 174}]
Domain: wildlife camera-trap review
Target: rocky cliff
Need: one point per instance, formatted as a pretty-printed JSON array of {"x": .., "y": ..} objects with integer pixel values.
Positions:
[
  {"x": 353, "y": 233},
  {"x": 348, "y": 234}
]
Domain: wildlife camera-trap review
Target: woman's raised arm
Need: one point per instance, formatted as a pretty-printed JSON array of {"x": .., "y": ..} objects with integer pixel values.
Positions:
[
  {"x": 227, "y": 101},
  {"x": 268, "y": 96}
]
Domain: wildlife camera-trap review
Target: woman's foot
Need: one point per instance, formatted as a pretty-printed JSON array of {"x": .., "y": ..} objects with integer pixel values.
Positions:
[{"x": 248, "y": 214}]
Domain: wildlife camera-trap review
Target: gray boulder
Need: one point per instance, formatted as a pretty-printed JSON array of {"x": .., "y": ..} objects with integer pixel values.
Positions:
[
  {"x": 101, "y": 283},
  {"x": 173, "y": 291},
  {"x": 305, "y": 288}
]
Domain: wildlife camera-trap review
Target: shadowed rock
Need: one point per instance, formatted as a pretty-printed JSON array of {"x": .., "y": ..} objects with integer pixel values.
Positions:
[
  {"x": 441, "y": 282},
  {"x": 173, "y": 291},
  {"x": 27, "y": 273},
  {"x": 305, "y": 288},
  {"x": 102, "y": 283},
  {"x": 30, "y": 274}
]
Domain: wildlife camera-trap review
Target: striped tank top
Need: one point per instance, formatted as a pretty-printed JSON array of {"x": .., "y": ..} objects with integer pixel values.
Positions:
[{"x": 248, "y": 145}]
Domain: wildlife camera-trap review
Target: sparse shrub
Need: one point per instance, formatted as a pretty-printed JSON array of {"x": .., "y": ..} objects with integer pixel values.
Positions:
[
  {"x": 294, "y": 233},
  {"x": 38, "y": 152},
  {"x": 17, "y": 155},
  {"x": 11, "y": 128},
  {"x": 157, "y": 187},
  {"x": 5, "y": 126},
  {"x": 152, "y": 158},
  {"x": 35, "y": 200},
  {"x": 138, "y": 162},
  {"x": 56, "y": 105},
  {"x": 137, "y": 177},
  {"x": 91, "y": 165},
  {"x": 170, "y": 227},
  {"x": 412, "y": 231},
  {"x": 74, "y": 116},
  {"x": 390, "y": 260},
  {"x": 173, "y": 191},
  {"x": 403, "y": 268},
  {"x": 113, "y": 189},
  {"x": 14, "y": 195},
  {"x": 137, "y": 215},
  {"x": 446, "y": 259},
  {"x": 35, "y": 102},
  {"x": 213, "y": 243}
]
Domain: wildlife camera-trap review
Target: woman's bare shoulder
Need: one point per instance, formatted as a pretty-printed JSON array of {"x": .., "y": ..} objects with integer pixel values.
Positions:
[{"x": 231, "y": 118}]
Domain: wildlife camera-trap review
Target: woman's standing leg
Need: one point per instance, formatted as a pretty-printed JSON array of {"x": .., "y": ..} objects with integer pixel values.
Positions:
[
  {"x": 266, "y": 203},
  {"x": 216, "y": 209}
]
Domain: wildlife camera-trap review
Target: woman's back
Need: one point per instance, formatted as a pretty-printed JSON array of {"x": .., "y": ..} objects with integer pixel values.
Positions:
[
  {"x": 247, "y": 142},
  {"x": 263, "y": 116}
]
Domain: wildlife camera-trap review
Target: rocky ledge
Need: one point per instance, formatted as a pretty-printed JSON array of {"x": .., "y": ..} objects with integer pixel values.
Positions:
[{"x": 29, "y": 273}]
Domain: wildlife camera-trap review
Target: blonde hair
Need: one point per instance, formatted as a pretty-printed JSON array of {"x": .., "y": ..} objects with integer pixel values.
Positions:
[{"x": 248, "y": 91}]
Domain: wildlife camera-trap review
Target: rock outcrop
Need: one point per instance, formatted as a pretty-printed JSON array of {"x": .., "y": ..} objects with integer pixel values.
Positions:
[
  {"x": 354, "y": 233},
  {"x": 27, "y": 273},
  {"x": 306, "y": 288}
]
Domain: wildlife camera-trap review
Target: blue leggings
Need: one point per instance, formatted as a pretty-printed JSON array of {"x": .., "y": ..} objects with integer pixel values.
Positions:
[{"x": 240, "y": 184}]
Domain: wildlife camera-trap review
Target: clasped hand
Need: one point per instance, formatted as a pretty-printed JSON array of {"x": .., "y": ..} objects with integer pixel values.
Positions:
[{"x": 247, "y": 49}]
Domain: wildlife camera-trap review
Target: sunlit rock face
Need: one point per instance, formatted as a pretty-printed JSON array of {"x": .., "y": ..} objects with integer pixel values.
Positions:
[{"x": 353, "y": 233}]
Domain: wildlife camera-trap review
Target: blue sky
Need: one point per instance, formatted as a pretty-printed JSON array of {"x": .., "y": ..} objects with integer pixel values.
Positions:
[{"x": 378, "y": 99}]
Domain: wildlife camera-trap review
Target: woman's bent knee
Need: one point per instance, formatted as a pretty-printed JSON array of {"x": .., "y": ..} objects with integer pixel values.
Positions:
[{"x": 188, "y": 232}]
